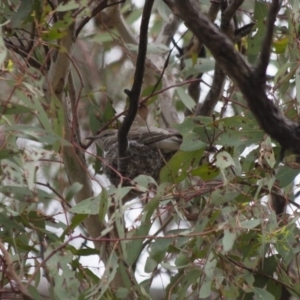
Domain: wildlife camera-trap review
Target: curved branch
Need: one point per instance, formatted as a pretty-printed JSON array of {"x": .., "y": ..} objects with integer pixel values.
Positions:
[
  {"x": 267, "y": 41},
  {"x": 272, "y": 121},
  {"x": 230, "y": 12},
  {"x": 135, "y": 92},
  {"x": 207, "y": 107}
]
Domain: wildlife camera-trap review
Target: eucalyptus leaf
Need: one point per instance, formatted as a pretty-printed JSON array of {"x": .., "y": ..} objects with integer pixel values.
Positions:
[
  {"x": 228, "y": 239},
  {"x": 24, "y": 194},
  {"x": 88, "y": 206},
  {"x": 186, "y": 99},
  {"x": 262, "y": 294},
  {"x": 11, "y": 108},
  {"x": 72, "y": 191},
  {"x": 210, "y": 265}
]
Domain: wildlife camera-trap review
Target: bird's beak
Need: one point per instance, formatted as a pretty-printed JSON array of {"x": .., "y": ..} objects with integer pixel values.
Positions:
[{"x": 92, "y": 138}]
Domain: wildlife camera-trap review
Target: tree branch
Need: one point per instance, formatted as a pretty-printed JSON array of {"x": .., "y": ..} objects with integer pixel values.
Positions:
[
  {"x": 135, "y": 92},
  {"x": 229, "y": 12},
  {"x": 12, "y": 275},
  {"x": 272, "y": 121},
  {"x": 207, "y": 107},
  {"x": 267, "y": 41}
]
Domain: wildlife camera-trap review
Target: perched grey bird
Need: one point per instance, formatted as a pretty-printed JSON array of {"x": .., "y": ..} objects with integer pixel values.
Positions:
[{"x": 148, "y": 150}]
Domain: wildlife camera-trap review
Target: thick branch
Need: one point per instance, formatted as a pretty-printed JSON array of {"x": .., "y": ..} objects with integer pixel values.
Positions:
[{"x": 241, "y": 73}]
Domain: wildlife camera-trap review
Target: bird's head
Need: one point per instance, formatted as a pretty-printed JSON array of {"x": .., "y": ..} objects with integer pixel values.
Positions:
[{"x": 105, "y": 138}]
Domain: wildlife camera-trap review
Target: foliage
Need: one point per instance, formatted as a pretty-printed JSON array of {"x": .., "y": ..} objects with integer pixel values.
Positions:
[{"x": 209, "y": 227}]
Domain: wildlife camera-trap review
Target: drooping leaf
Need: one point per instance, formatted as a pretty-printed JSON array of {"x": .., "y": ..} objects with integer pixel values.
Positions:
[{"x": 11, "y": 109}]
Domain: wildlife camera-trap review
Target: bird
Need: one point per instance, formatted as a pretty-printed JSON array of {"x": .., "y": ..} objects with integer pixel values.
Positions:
[{"x": 148, "y": 150}]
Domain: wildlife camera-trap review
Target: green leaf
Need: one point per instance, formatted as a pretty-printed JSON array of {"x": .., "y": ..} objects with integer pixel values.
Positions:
[
  {"x": 103, "y": 205},
  {"x": 163, "y": 10},
  {"x": 72, "y": 191},
  {"x": 262, "y": 294},
  {"x": 205, "y": 289},
  {"x": 34, "y": 293},
  {"x": 177, "y": 166},
  {"x": 182, "y": 261},
  {"x": 11, "y": 109},
  {"x": 144, "y": 182},
  {"x": 286, "y": 175},
  {"x": 203, "y": 65},
  {"x": 36, "y": 103},
  {"x": 52, "y": 35},
  {"x": 274, "y": 288},
  {"x": 36, "y": 134},
  {"x": 224, "y": 160},
  {"x": 88, "y": 206},
  {"x": 10, "y": 223},
  {"x": 228, "y": 239},
  {"x": 249, "y": 224},
  {"x": 75, "y": 221},
  {"x": 58, "y": 268},
  {"x": 192, "y": 142},
  {"x": 206, "y": 172},
  {"x": 159, "y": 248},
  {"x": 150, "y": 265},
  {"x": 24, "y": 194},
  {"x": 22, "y": 13},
  {"x": 109, "y": 274},
  {"x": 135, "y": 246},
  {"x": 186, "y": 99},
  {"x": 6, "y": 154},
  {"x": 122, "y": 293},
  {"x": 210, "y": 265},
  {"x": 30, "y": 174},
  {"x": 285, "y": 73},
  {"x": 70, "y": 5},
  {"x": 190, "y": 279},
  {"x": 65, "y": 23}
]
